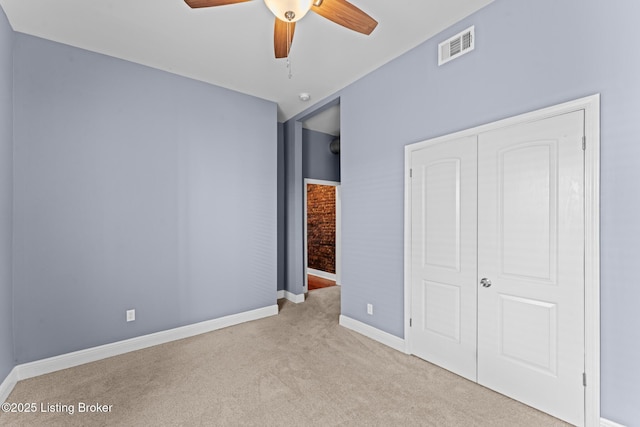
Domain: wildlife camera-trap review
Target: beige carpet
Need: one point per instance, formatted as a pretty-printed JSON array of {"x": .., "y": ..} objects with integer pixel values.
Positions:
[{"x": 296, "y": 369}]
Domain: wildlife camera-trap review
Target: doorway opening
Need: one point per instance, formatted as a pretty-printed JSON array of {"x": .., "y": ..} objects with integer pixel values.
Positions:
[{"x": 322, "y": 234}]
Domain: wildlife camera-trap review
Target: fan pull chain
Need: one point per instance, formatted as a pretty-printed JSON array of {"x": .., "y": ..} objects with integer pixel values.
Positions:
[{"x": 289, "y": 48}]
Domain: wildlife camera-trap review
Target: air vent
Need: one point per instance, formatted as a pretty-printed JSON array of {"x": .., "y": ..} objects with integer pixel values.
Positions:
[{"x": 456, "y": 46}]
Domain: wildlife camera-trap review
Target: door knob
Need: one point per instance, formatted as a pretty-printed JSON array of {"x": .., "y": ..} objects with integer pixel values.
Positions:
[{"x": 485, "y": 282}]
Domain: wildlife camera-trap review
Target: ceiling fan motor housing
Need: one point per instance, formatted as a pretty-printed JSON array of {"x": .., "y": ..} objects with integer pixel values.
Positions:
[{"x": 289, "y": 10}]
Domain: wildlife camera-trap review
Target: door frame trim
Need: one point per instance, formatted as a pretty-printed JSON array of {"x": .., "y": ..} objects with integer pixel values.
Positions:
[
  {"x": 336, "y": 184},
  {"x": 591, "y": 107}
]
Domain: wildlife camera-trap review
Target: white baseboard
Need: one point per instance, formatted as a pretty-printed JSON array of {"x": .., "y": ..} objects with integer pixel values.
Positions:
[
  {"x": 606, "y": 423},
  {"x": 320, "y": 273},
  {"x": 297, "y": 299},
  {"x": 6, "y": 387},
  {"x": 373, "y": 333},
  {"x": 69, "y": 360},
  {"x": 294, "y": 298}
]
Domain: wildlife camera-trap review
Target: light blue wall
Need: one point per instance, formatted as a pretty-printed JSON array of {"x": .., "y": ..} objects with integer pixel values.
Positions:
[
  {"x": 294, "y": 247},
  {"x": 282, "y": 210},
  {"x": 318, "y": 162},
  {"x": 529, "y": 54},
  {"x": 6, "y": 196},
  {"x": 134, "y": 188}
]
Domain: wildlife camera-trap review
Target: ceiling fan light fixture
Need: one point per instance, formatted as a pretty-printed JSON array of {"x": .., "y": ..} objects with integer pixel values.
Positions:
[{"x": 289, "y": 10}]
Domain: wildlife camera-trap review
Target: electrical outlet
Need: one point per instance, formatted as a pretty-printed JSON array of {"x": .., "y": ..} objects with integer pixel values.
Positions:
[
  {"x": 131, "y": 315},
  {"x": 370, "y": 309}
]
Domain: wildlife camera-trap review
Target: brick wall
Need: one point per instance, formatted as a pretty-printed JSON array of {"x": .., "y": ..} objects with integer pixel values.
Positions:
[{"x": 321, "y": 227}]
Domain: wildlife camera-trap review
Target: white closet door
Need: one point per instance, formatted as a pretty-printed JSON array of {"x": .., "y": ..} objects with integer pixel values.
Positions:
[
  {"x": 444, "y": 255},
  {"x": 531, "y": 249}
]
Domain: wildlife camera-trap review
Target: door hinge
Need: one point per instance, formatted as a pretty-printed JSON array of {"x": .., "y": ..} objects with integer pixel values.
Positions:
[
  {"x": 410, "y": 173},
  {"x": 584, "y": 143},
  {"x": 584, "y": 379},
  {"x": 410, "y": 323}
]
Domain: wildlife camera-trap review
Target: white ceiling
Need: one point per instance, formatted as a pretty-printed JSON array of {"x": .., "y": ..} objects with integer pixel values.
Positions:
[
  {"x": 327, "y": 121},
  {"x": 232, "y": 46}
]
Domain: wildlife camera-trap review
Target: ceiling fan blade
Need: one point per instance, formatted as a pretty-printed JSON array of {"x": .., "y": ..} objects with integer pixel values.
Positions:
[
  {"x": 344, "y": 13},
  {"x": 210, "y": 3},
  {"x": 281, "y": 42}
]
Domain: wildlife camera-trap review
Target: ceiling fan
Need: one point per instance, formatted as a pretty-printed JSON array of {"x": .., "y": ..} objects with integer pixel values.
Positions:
[{"x": 287, "y": 12}]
